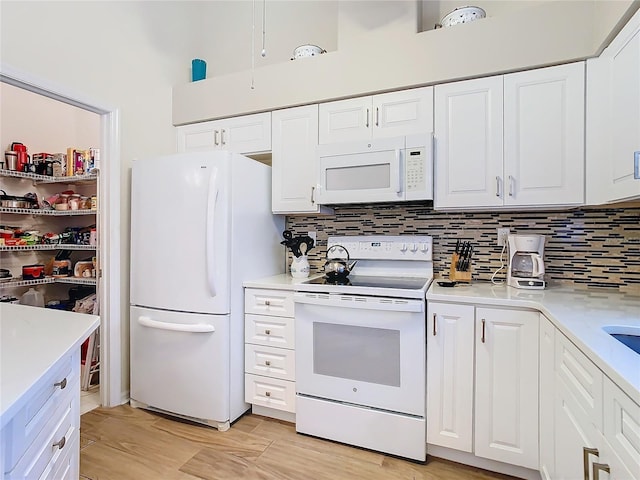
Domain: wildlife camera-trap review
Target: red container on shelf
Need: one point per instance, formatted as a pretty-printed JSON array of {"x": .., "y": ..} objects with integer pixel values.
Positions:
[{"x": 32, "y": 272}]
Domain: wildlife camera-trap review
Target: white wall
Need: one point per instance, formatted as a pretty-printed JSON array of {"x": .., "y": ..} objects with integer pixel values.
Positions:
[
  {"x": 127, "y": 55},
  {"x": 43, "y": 124}
]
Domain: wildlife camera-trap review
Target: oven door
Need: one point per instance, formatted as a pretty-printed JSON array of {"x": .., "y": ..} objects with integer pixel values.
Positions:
[
  {"x": 361, "y": 172},
  {"x": 367, "y": 351}
]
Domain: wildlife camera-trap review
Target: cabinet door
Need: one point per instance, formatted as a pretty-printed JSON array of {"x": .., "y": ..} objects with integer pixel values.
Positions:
[
  {"x": 622, "y": 428},
  {"x": 506, "y": 405},
  {"x": 613, "y": 119},
  {"x": 247, "y": 134},
  {"x": 544, "y": 136},
  {"x": 574, "y": 433},
  {"x": 401, "y": 113},
  {"x": 345, "y": 120},
  {"x": 468, "y": 143},
  {"x": 293, "y": 161},
  {"x": 198, "y": 136},
  {"x": 547, "y": 398},
  {"x": 450, "y": 375}
]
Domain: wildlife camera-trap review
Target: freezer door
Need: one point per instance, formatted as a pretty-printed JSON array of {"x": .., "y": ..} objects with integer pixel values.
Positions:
[
  {"x": 180, "y": 233},
  {"x": 180, "y": 362}
]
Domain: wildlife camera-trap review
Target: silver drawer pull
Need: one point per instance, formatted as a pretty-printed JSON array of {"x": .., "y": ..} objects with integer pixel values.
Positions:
[
  {"x": 267, "y": 302},
  {"x": 267, "y": 332},
  {"x": 267, "y": 394},
  {"x": 61, "y": 384},
  {"x": 267, "y": 362},
  {"x": 60, "y": 444}
]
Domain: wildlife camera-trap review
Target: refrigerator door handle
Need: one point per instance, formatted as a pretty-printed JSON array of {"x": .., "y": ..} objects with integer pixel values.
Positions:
[
  {"x": 210, "y": 234},
  {"x": 176, "y": 327}
]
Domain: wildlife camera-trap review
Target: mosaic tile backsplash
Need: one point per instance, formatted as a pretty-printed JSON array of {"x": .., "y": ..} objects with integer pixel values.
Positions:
[{"x": 590, "y": 247}]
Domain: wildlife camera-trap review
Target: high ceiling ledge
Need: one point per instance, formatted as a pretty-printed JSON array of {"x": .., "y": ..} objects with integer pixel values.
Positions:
[{"x": 548, "y": 34}]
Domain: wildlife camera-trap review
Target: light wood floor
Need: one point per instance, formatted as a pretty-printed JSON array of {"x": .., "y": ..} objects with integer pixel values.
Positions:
[{"x": 125, "y": 443}]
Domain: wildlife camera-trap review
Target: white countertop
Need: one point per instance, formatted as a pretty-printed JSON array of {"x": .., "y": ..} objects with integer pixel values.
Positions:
[
  {"x": 32, "y": 340},
  {"x": 578, "y": 314}
]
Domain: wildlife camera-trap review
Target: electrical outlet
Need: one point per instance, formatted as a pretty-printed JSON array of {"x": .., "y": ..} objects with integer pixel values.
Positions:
[
  {"x": 312, "y": 235},
  {"x": 502, "y": 236}
]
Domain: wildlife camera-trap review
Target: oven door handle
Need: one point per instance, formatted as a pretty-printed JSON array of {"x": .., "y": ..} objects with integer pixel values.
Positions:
[{"x": 363, "y": 303}]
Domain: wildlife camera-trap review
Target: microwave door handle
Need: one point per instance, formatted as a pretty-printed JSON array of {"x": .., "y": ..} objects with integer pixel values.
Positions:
[
  {"x": 212, "y": 200},
  {"x": 398, "y": 160}
]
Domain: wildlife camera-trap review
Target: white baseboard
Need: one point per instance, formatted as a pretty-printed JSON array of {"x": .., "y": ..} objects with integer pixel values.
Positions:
[{"x": 273, "y": 413}]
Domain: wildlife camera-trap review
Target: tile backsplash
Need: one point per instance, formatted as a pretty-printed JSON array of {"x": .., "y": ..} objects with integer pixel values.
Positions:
[{"x": 587, "y": 247}]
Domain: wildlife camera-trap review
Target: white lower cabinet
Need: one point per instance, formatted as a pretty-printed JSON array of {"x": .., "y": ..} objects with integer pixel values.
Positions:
[
  {"x": 596, "y": 426},
  {"x": 41, "y": 441},
  {"x": 500, "y": 347},
  {"x": 269, "y": 352}
]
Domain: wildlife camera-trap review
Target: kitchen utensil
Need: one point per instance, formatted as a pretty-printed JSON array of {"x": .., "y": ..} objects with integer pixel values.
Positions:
[
  {"x": 307, "y": 51},
  {"x": 444, "y": 283},
  {"x": 32, "y": 272},
  {"x": 462, "y": 15},
  {"x": 11, "y": 160},
  {"x": 12, "y": 201},
  {"x": 336, "y": 265}
]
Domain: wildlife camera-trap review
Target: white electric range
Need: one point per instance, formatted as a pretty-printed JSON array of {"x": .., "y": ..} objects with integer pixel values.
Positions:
[{"x": 361, "y": 347}]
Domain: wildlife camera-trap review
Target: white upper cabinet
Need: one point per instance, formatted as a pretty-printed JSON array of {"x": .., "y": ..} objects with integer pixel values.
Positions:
[
  {"x": 511, "y": 140},
  {"x": 613, "y": 119},
  {"x": 468, "y": 143},
  {"x": 544, "y": 136},
  {"x": 392, "y": 114},
  {"x": 293, "y": 160},
  {"x": 245, "y": 134}
]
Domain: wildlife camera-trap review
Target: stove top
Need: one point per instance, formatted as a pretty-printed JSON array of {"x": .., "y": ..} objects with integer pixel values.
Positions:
[
  {"x": 387, "y": 266},
  {"x": 372, "y": 281}
]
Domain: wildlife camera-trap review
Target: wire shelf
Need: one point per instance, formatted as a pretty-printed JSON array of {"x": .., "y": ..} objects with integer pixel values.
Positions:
[
  {"x": 52, "y": 213},
  {"x": 47, "y": 179},
  {"x": 48, "y": 246},
  {"x": 47, "y": 280}
]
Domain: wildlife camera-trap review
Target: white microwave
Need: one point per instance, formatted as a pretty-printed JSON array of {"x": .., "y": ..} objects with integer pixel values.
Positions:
[{"x": 384, "y": 170}]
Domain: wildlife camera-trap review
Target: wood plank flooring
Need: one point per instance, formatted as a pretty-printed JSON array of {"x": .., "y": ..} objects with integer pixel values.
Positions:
[{"x": 124, "y": 443}]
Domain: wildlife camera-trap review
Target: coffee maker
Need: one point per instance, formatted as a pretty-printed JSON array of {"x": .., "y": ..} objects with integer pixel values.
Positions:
[{"x": 526, "y": 264}]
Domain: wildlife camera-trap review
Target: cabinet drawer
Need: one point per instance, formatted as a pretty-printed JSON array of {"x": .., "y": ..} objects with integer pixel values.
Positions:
[
  {"x": 622, "y": 425},
  {"x": 270, "y": 392},
  {"x": 51, "y": 444},
  {"x": 67, "y": 464},
  {"x": 581, "y": 376},
  {"x": 268, "y": 330},
  {"x": 268, "y": 302},
  {"x": 269, "y": 361},
  {"x": 27, "y": 424}
]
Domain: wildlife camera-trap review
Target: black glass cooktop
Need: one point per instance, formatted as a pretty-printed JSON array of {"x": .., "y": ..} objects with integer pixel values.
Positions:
[{"x": 407, "y": 283}]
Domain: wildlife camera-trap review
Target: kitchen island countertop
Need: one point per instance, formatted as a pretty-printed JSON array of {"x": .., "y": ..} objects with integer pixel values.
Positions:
[
  {"x": 32, "y": 340},
  {"x": 578, "y": 314}
]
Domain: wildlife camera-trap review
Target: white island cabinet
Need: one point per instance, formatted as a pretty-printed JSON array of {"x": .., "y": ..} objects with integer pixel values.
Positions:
[{"x": 40, "y": 391}]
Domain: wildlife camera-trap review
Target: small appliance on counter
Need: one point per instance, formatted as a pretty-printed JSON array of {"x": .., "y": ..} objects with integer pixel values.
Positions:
[{"x": 526, "y": 264}]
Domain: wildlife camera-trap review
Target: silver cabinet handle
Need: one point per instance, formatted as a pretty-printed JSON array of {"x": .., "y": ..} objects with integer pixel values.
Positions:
[
  {"x": 434, "y": 324},
  {"x": 586, "y": 451},
  {"x": 267, "y": 302},
  {"x": 60, "y": 444},
  {"x": 367, "y": 124},
  {"x": 267, "y": 332},
  {"x": 267, "y": 394},
  {"x": 483, "y": 338},
  {"x": 267, "y": 363},
  {"x": 313, "y": 190},
  {"x": 377, "y": 116},
  {"x": 62, "y": 384},
  {"x": 498, "y": 194},
  {"x": 598, "y": 467},
  {"x": 222, "y": 137},
  {"x": 215, "y": 137},
  {"x": 511, "y": 186}
]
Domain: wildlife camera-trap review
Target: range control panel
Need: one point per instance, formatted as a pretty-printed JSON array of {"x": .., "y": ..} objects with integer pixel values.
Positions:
[{"x": 386, "y": 247}]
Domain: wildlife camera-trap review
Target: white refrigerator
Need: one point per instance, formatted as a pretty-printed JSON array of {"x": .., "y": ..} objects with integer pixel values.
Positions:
[{"x": 201, "y": 224}]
